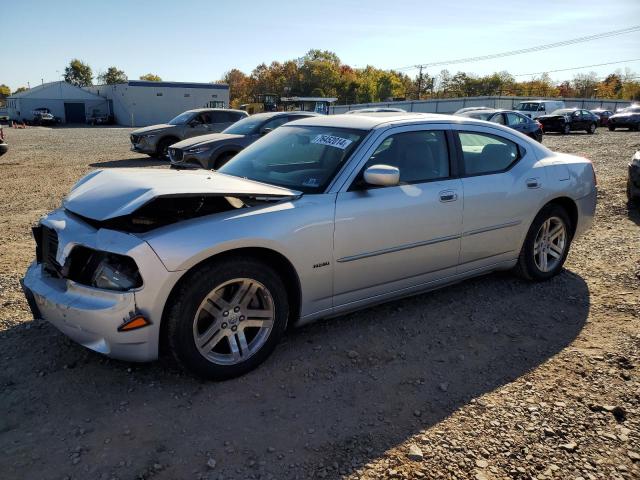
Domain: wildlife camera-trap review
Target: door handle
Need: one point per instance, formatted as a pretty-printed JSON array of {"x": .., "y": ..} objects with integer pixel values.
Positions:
[
  {"x": 448, "y": 196},
  {"x": 533, "y": 182}
]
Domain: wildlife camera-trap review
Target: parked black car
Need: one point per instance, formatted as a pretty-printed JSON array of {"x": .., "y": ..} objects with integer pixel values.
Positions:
[
  {"x": 214, "y": 150},
  {"x": 567, "y": 120},
  {"x": 511, "y": 119},
  {"x": 633, "y": 182},
  {"x": 603, "y": 115},
  {"x": 627, "y": 118}
]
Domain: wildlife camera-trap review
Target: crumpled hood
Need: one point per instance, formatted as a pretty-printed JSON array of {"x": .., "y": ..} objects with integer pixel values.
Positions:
[
  {"x": 105, "y": 194},
  {"x": 202, "y": 139},
  {"x": 152, "y": 128}
]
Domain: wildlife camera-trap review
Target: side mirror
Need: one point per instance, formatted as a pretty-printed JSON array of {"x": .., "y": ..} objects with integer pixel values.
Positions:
[
  {"x": 382, "y": 175},
  {"x": 264, "y": 131}
]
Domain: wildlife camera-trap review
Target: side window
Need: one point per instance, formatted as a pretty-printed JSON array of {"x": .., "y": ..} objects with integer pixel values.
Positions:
[
  {"x": 275, "y": 123},
  {"x": 420, "y": 156},
  {"x": 513, "y": 119},
  {"x": 205, "y": 117},
  {"x": 484, "y": 153},
  {"x": 498, "y": 118},
  {"x": 218, "y": 117}
]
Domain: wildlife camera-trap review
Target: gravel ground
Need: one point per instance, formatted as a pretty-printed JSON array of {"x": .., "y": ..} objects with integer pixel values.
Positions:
[{"x": 489, "y": 379}]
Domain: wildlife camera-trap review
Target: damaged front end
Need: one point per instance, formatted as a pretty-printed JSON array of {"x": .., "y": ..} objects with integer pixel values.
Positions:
[
  {"x": 98, "y": 281},
  {"x": 163, "y": 211}
]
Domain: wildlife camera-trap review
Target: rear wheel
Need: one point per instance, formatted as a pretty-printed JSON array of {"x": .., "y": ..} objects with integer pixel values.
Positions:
[
  {"x": 227, "y": 318},
  {"x": 546, "y": 245},
  {"x": 612, "y": 128},
  {"x": 592, "y": 128}
]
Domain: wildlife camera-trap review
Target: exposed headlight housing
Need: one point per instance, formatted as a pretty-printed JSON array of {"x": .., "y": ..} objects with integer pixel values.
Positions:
[{"x": 106, "y": 270}]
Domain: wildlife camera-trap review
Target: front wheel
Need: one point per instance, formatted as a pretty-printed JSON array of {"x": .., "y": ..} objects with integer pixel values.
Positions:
[
  {"x": 546, "y": 245},
  {"x": 162, "y": 150},
  {"x": 566, "y": 129},
  {"x": 227, "y": 318},
  {"x": 592, "y": 129},
  {"x": 612, "y": 128}
]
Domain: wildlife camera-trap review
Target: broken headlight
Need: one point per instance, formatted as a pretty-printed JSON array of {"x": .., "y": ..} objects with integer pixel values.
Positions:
[
  {"x": 105, "y": 270},
  {"x": 116, "y": 272}
]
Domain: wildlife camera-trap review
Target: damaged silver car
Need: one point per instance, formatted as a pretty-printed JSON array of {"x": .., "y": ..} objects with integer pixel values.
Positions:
[{"x": 322, "y": 216}]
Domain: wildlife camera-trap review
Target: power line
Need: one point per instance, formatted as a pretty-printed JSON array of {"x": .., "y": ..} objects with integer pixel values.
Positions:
[
  {"x": 573, "y": 41},
  {"x": 577, "y": 68}
]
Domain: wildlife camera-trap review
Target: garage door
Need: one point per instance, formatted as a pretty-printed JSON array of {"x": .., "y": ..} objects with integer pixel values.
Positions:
[{"x": 74, "y": 112}]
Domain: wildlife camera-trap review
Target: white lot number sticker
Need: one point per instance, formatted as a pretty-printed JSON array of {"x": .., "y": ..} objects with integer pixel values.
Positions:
[{"x": 332, "y": 141}]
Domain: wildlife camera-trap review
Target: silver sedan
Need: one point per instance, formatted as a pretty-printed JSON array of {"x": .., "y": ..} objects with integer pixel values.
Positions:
[{"x": 323, "y": 216}]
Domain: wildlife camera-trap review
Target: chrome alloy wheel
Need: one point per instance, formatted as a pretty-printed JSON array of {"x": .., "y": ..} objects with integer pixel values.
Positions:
[
  {"x": 234, "y": 321},
  {"x": 550, "y": 244}
]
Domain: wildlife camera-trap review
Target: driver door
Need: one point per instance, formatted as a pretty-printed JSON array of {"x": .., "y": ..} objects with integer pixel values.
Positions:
[
  {"x": 199, "y": 125},
  {"x": 388, "y": 239}
]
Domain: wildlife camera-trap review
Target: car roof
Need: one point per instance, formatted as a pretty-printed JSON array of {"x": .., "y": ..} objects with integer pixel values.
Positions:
[
  {"x": 196, "y": 110},
  {"x": 371, "y": 121}
]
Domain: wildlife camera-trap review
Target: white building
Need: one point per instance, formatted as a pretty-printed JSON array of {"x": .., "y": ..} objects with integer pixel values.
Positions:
[
  {"x": 69, "y": 103},
  {"x": 141, "y": 103}
]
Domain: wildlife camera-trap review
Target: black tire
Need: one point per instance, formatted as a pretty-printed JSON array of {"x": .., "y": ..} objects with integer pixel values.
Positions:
[
  {"x": 566, "y": 130},
  {"x": 162, "y": 148},
  {"x": 612, "y": 128},
  {"x": 592, "y": 128},
  {"x": 526, "y": 266},
  {"x": 222, "y": 159},
  {"x": 193, "y": 291}
]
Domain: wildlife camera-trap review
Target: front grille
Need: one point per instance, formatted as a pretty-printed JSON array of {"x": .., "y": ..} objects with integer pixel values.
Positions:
[
  {"x": 176, "y": 154},
  {"x": 48, "y": 250}
]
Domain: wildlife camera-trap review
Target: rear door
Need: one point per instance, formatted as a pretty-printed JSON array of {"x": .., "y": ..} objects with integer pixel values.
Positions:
[
  {"x": 500, "y": 184},
  {"x": 392, "y": 238},
  {"x": 517, "y": 122}
]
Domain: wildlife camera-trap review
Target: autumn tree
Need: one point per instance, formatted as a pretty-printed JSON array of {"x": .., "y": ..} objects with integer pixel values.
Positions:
[
  {"x": 112, "y": 76},
  {"x": 78, "y": 73},
  {"x": 150, "y": 77}
]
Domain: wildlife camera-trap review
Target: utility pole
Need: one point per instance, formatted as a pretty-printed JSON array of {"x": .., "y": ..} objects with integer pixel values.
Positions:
[{"x": 419, "y": 82}]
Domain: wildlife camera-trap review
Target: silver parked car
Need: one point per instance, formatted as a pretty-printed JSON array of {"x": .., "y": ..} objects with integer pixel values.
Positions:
[
  {"x": 322, "y": 216},
  {"x": 155, "y": 140},
  {"x": 214, "y": 150}
]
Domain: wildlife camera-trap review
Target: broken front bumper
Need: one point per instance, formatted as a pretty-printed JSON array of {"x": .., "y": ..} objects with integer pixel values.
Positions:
[
  {"x": 91, "y": 316},
  {"x": 87, "y": 315}
]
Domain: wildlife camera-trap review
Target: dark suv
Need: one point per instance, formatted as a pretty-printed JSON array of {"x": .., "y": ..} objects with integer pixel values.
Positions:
[{"x": 213, "y": 151}]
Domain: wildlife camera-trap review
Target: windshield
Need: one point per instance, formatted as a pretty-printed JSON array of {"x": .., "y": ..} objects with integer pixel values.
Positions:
[
  {"x": 248, "y": 125},
  {"x": 181, "y": 119},
  {"x": 297, "y": 157},
  {"x": 478, "y": 114},
  {"x": 528, "y": 107},
  {"x": 563, "y": 111},
  {"x": 633, "y": 109}
]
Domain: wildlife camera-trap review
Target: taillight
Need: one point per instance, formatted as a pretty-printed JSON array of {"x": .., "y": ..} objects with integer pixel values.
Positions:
[{"x": 593, "y": 171}]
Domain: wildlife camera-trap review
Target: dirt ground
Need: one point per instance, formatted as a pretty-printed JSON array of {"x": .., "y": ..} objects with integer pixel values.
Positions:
[{"x": 489, "y": 379}]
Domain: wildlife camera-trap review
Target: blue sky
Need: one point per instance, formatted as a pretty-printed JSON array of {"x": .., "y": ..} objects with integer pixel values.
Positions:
[{"x": 195, "y": 40}]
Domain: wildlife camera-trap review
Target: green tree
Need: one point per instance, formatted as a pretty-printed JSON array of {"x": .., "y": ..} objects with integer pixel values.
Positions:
[
  {"x": 150, "y": 77},
  {"x": 20, "y": 90},
  {"x": 78, "y": 73},
  {"x": 112, "y": 76}
]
